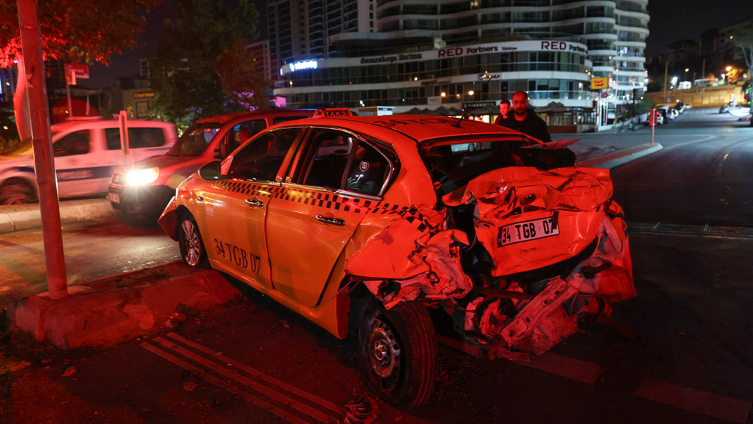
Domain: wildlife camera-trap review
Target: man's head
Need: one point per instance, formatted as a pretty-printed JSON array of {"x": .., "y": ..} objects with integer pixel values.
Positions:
[
  {"x": 504, "y": 107},
  {"x": 520, "y": 103}
]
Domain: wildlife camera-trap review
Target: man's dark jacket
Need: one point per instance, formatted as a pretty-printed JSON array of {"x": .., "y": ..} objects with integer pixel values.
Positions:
[{"x": 532, "y": 125}]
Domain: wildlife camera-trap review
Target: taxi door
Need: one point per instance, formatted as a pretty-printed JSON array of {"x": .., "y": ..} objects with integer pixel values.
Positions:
[
  {"x": 312, "y": 218},
  {"x": 235, "y": 207}
]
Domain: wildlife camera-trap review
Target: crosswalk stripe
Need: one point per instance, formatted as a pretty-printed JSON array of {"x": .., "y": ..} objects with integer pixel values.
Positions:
[
  {"x": 228, "y": 387},
  {"x": 709, "y": 404},
  {"x": 257, "y": 373},
  {"x": 314, "y": 413}
]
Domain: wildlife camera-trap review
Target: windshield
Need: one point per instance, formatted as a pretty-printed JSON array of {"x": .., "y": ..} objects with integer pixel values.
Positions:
[{"x": 195, "y": 140}]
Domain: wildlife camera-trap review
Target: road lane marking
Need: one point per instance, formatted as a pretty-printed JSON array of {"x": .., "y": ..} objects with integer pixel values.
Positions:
[
  {"x": 329, "y": 405},
  {"x": 223, "y": 385},
  {"x": 712, "y": 405},
  {"x": 565, "y": 366},
  {"x": 299, "y": 406},
  {"x": 706, "y": 231}
]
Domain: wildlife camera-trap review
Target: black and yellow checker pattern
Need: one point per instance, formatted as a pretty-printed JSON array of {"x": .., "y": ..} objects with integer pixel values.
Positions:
[{"x": 328, "y": 201}]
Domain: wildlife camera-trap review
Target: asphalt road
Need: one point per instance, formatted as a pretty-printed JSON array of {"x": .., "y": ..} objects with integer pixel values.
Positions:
[
  {"x": 692, "y": 363},
  {"x": 92, "y": 250}
]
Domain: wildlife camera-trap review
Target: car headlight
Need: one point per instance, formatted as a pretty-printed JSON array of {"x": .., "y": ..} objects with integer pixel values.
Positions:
[{"x": 137, "y": 177}]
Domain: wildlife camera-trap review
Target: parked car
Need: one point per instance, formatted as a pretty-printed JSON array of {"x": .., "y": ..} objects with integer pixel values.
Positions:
[
  {"x": 364, "y": 225},
  {"x": 86, "y": 154},
  {"x": 146, "y": 187}
]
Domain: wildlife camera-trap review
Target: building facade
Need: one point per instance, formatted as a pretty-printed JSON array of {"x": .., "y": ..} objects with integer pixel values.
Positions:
[{"x": 607, "y": 38}]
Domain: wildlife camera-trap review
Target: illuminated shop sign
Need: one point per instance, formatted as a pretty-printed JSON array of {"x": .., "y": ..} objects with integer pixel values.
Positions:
[{"x": 304, "y": 64}]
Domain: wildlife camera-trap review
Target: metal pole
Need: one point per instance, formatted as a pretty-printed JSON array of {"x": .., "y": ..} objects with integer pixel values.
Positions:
[
  {"x": 666, "y": 68},
  {"x": 44, "y": 164},
  {"x": 123, "y": 125},
  {"x": 68, "y": 91}
]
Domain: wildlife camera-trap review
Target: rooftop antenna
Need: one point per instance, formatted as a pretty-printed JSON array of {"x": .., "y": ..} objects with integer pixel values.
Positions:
[{"x": 465, "y": 114}]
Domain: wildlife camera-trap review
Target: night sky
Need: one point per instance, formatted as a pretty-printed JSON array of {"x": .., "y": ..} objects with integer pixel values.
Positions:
[{"x": 671, "y": 20}]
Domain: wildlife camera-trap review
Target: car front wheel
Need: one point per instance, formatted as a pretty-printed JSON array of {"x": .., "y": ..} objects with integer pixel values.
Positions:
[
  {"x": 398, "y": 349},
  {"x": 191, "y": 247}
]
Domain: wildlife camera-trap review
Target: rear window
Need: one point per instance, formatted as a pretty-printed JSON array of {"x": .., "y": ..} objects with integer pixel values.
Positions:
[{"x": 453, "y": 162}]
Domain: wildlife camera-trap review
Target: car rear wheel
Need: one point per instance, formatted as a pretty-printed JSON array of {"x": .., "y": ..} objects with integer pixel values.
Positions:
[
  {"x": 191, "y": 246},
  {"x": 16, "y": 192},
  {"x": 398, "y": 349}
]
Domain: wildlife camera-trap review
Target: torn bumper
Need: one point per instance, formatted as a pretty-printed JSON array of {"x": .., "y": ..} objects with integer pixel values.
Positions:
[
  {"x": 516, "y": 308},
  {"x": 169, "y": 219}
]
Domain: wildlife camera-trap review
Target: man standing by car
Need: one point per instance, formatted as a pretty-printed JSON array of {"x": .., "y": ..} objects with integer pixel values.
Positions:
[
  {"x": 504, "y": 110},
  {"x": 525, "y": 120}
]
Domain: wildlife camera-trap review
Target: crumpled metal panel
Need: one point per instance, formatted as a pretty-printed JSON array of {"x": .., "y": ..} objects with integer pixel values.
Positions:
[
  {"x": 433, "y": 268},
  {"x": 575, "y": 199},
  {"x": 383, "y": 256}
]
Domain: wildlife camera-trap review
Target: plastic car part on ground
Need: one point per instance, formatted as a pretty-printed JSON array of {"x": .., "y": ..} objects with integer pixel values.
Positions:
[{"x": 583, "y": 224}]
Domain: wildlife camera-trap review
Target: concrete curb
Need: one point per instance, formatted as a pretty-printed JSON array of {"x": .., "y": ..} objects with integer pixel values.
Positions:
[
  {"x": 22, "y": 217},
  {"x": 621, "y": 157},
  {"x": 118, "y": 308}
]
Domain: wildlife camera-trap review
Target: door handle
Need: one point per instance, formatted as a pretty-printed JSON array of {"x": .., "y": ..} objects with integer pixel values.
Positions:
[
  {"x": 254, "y": 203},
  {"x": 333, "y": 221}
]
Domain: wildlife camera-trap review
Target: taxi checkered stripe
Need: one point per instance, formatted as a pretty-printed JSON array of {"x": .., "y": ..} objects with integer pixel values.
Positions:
[{"x": 316, "y": 198}]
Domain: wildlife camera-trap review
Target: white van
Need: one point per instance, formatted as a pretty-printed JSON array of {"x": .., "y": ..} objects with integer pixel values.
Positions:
[{"x": 86, "y": 153}]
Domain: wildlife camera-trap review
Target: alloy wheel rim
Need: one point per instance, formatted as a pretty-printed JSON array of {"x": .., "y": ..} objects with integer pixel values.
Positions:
[
  {"x": 193, "y": 245},
  {"x": 384, "y": 354}
]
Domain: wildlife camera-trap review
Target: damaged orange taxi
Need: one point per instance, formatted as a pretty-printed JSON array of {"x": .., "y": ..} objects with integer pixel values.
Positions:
[{"x": 397, "y": 228}]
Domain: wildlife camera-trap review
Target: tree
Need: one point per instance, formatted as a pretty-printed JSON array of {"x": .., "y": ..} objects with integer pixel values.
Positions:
[
  {"x": 742, "y": 36},
  {"x": 75, "y": 30},
  {"x": 214, "y": 72}
]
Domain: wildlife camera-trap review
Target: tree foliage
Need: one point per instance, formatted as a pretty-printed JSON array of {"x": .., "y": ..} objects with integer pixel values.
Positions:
[
  {"x": 201, "y": 66},
  {"x": 742, "y": 36},
  {"x": 76, "y": 30}
]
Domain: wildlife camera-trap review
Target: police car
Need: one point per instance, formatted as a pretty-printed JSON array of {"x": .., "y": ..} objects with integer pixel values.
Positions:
[
  {"x": 86, "y": 154},
  {"x": 364, "y": 225},
  {"x": 146, "y": 187}
]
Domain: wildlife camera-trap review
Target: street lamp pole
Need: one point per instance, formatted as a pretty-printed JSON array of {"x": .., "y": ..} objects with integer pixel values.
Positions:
[{"x": 44, "y": 164}]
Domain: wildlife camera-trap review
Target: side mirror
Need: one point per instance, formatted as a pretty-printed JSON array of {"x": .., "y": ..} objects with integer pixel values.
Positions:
[{"x": 210, "y": 171}]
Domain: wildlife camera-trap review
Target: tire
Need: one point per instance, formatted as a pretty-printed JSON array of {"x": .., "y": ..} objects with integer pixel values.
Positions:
[
  {"x": 398, "y": 349},
  {"x": 17, "y": 192},
  {"x": 192, "y": 249}
]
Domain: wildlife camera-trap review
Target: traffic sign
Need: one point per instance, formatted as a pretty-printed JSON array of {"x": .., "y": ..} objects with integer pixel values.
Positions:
[
  {"x": 599, "y": 83},
  {"x": 82, "y": 71},
  {"x": 605, "y": 94}
]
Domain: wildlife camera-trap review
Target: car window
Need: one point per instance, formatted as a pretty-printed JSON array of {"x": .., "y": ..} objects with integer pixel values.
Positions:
[
  {"x": 243, "y": 132},
  {"x": 327, "y": 166},
  {"x": 138, "y": 138},
  {"x": 279, "y": 119},
  {"x": 75, "y": 143},
  {"x": 262, "y": 157},
  {"x": 195, "y": 140},
  {"x": 368, "y": 171}
]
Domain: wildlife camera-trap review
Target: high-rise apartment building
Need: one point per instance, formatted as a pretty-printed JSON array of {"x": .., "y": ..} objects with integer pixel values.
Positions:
[{"x": 388, "y": 51}]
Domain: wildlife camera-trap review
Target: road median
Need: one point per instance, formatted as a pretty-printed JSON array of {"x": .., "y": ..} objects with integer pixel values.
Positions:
[
  {"x": 620, "y": 157},
  {"x": 22, "y": 217},
  {"x": 118, "y": 308}
]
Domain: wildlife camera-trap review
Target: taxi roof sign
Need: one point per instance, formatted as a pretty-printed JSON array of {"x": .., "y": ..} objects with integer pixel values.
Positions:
[{"x": 327, "y": 113}]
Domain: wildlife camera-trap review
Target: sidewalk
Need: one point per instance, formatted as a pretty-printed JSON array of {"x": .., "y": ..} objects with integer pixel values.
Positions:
[
  {"x": 609, "y": 149},
  {"x": 21, "y": 217}
]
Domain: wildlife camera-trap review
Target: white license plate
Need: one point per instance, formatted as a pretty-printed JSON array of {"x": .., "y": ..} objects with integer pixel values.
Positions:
[
  {"x": 525, "y": 231},
  {"x": 115, "y": 198}
]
